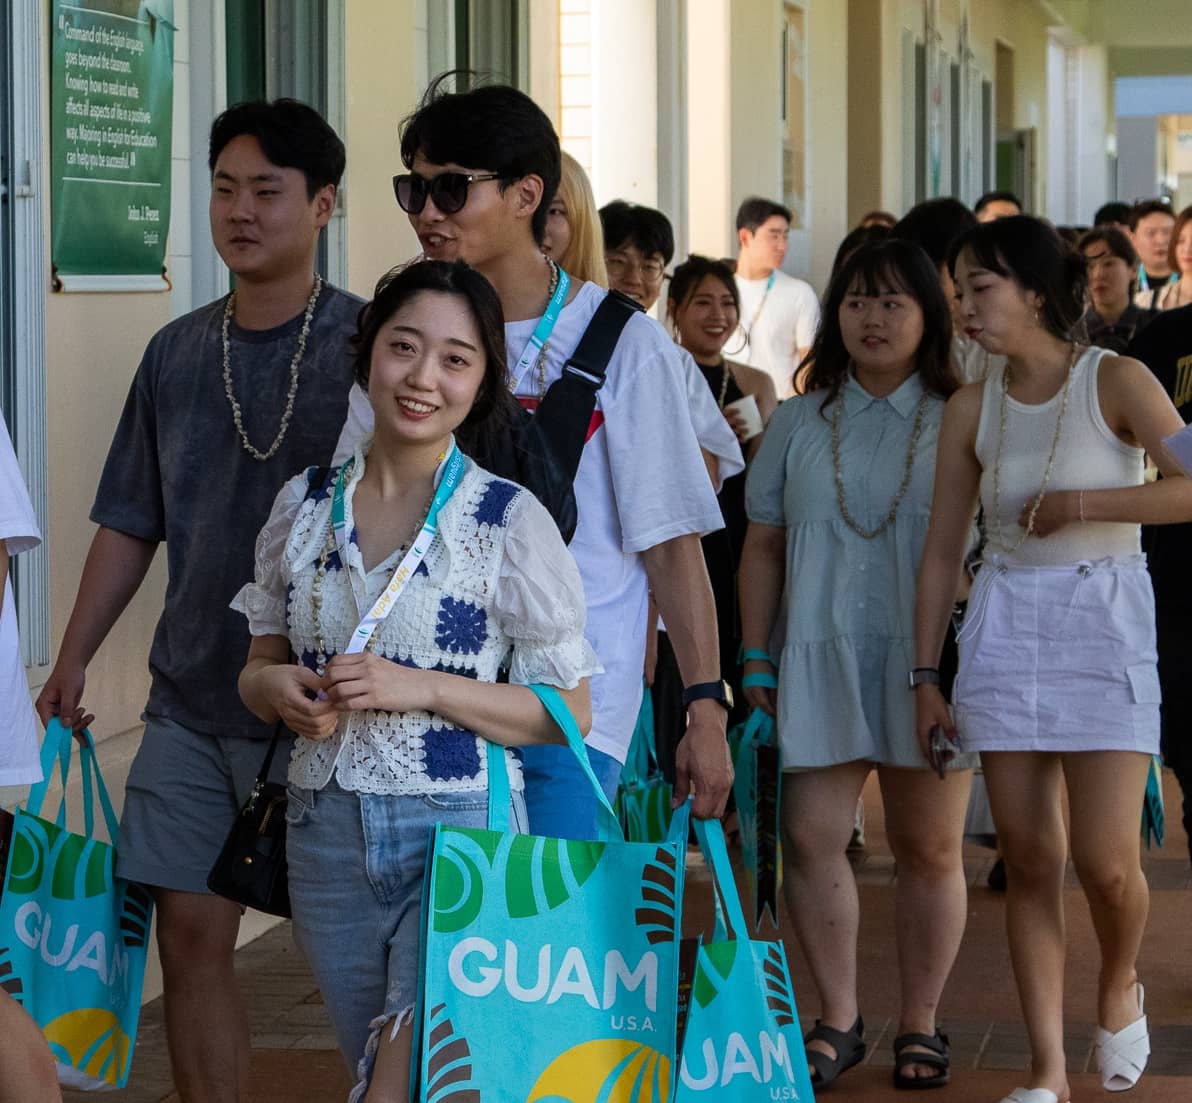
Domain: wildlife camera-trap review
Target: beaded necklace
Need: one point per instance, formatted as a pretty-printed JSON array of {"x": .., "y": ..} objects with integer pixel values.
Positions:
[
  {"x": 995, "y": 527},
  {"x": 838, "y": 472},
  {"x": 550, "y": 294},
  {"x": 288, "y": 413}
]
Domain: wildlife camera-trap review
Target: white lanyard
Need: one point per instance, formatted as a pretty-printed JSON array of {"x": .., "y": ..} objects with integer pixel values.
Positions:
[{"x": 447, "y": 478}]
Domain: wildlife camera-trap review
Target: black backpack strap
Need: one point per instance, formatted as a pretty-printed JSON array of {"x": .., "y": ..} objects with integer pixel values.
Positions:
[{"x": 565, "y": 412}]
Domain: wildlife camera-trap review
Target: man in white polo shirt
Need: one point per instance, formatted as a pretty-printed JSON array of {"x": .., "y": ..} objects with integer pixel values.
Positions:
[{"x": 778, "y": 312}]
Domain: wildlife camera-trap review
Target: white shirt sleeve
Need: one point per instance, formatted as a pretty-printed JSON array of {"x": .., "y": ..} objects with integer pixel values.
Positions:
[
  {"x": 263, "y": 601},
  {"x": 539, "y": 602},
  {"x": 808, "y": 315},
  {"x": 359, "y": 424},
  {"x": 18, "y": 525},
  {"x": 711, "y": 430},
  {"x": 660, "y": 483}
]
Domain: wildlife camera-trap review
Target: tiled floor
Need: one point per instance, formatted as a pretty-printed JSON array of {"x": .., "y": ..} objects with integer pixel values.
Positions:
[{"x": 294, "y": 1057}]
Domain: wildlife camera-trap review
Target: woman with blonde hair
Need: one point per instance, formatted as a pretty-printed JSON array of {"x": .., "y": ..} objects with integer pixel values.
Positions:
[{"x": 574, "y": 239}]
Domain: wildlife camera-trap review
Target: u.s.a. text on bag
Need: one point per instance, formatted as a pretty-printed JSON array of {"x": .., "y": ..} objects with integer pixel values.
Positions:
[
  {"x": 73, "y": 939},
  {"x": 548, "y": 964}
]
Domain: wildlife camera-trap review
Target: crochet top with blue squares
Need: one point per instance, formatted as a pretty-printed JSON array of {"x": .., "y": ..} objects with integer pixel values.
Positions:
[{"x": 498, "y": 590}]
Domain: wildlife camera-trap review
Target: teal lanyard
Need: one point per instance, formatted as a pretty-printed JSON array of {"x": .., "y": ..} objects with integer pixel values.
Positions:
[
  {"x": 447, "y": 478},
  {"x": 542, "y": 331}
]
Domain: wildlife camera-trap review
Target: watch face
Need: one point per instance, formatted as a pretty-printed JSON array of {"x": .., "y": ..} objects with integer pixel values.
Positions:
[{"x": 728, "y": 694}]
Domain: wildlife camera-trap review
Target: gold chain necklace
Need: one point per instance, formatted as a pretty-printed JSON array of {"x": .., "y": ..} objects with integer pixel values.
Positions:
[
  {"x": 995, "y": 527},
  {"x": 288, "y": 412},
  {"x": 838, "y": 472},
  {"x": 550, "y": 294}
]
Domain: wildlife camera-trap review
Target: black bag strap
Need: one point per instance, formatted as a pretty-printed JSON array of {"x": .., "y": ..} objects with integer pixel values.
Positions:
[
  {"x": 316, "y": 480},
  {"x": 565, "y": 412}
]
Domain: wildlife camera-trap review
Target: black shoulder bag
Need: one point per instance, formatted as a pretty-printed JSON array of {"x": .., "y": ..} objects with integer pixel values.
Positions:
[
  {"x": 251, "y": 868},
  {"x": 542, "y": 451}
]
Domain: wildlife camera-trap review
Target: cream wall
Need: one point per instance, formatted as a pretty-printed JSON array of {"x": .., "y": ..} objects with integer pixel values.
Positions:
[{"x": 383, "y": 67}]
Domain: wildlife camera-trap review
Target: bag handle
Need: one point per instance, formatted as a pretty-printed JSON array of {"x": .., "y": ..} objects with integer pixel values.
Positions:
[
  {"x": 641, "y": 750},
  {"x": 53, "y": 747},
  {"x": 711, "y": 842},
  {"x": 608, "y": 827},
  {"x": 58, "y": 743}
]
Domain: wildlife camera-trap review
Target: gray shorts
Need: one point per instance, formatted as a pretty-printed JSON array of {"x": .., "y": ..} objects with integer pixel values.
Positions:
[{"x": 183, "y": 792}]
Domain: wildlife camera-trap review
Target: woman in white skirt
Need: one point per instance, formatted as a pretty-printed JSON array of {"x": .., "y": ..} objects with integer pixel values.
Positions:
[{"x": 1057, "y": 682}]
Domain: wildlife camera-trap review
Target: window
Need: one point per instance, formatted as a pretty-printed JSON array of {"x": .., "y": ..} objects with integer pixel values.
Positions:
[
  {"x": 490, "y": 37},
  {"x": 293, "y": 48},
  {"x": 794, "y": 115},
  {"x": 22, "y": 303}
]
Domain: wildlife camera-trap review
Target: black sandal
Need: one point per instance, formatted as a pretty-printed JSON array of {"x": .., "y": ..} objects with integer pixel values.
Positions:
[
  {"x": 849, "y": 1046},
  {"x": 937, "y": 1056}
]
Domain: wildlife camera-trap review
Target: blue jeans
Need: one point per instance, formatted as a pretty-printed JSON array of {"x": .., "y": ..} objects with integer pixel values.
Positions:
[
  {"x": 560, "y": 800},
  {"x": 357, "y": 863}
]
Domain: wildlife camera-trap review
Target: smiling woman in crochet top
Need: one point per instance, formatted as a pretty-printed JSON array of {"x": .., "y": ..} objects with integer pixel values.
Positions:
[{"x": 475, "y": 580}]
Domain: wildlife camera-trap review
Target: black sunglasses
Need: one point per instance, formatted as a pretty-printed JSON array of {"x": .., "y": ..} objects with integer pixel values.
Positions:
[{"x": 449, "y": 190}]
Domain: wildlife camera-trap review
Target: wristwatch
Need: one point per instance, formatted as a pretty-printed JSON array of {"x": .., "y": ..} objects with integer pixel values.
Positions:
[
  {"x": 720, "y": 692},
  {"x": 924, "y": 676}
]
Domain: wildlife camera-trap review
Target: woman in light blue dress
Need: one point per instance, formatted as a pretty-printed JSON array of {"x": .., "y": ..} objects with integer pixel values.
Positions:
[{"x": 839, "y": 499}]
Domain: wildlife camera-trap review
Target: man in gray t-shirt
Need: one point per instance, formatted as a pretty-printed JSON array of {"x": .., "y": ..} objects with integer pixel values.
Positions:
[{"x": 228, "y": 403}]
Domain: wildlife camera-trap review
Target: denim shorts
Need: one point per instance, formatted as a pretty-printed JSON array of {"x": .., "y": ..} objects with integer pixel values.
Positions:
[{"x": 357, "y": 862}]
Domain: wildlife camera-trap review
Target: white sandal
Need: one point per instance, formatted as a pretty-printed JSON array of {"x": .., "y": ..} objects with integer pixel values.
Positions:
[
  {"x": 1121, "y": 1057},
  {"x": 1031, "y": 1095}
]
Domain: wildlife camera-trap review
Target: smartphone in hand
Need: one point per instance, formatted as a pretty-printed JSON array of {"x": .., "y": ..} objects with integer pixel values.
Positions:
[{"x": 940, "y": 750}]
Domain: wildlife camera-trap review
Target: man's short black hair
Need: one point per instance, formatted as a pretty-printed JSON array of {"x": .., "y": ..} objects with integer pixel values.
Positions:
[
  {"x": 1114, "y": 213},
  {"x": 292, "y": 135},
  {"x": 997, "y": 197},
  {"x": 628, "y": 224},
  {"x": 1147, "y": 207},
  {"x": 755, "y": 211},
  {"x": 493, "y": 127},
  {"x": 933, "y": 225}
]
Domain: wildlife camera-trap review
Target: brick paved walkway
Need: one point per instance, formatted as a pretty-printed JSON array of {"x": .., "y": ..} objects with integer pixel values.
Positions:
[{"x": 294, "y": 1056}]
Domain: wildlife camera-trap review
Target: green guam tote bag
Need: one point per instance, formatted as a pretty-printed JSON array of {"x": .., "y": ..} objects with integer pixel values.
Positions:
[
  {"x": 549, "y": 969},
  {"x": 742, "y": 1042},
  {"x": 73, "y": 935}
]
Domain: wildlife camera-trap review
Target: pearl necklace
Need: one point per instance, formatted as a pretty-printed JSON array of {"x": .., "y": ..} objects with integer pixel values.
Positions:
[
  {"x": 723, "y": 384},
  {"x": 995, "y": 527},
  {"x": 288, "y": 413},
  {"x": 838, "y": 473},
  {"x": 550, "y": 294}
]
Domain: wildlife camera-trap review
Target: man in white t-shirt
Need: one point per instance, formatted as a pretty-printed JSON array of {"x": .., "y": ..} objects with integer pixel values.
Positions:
[
  {"x": 483, "y": 167},
  {"x": 779, "y": 313}
]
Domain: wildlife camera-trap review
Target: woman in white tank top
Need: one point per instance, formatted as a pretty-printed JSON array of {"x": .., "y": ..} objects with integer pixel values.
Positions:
[{"x": 1057, "y": 682}]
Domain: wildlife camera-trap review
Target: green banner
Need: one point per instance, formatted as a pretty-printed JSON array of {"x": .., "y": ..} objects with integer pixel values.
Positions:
[{"x": 111, "y": 116}]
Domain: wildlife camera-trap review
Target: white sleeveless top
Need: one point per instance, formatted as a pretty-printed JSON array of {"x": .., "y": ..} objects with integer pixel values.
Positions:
[{"x": 1089, "y": 457}]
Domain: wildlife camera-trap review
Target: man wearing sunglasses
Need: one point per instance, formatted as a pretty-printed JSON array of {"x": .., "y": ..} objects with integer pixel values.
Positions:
[{"x": 482, "y": 167}]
